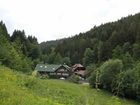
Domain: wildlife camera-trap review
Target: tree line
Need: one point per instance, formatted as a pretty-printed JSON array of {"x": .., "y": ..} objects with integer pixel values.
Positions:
[{"x": 18, "y": 51}]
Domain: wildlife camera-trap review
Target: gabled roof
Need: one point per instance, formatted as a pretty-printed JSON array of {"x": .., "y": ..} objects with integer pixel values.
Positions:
[
  {"x": 77, "y": 65},
  {"x": 49, "y": 67},
  {"x": 66, "y": 66}
]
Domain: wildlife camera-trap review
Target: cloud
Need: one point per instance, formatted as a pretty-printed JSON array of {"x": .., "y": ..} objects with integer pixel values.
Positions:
[{"x": 53, "y": 19}]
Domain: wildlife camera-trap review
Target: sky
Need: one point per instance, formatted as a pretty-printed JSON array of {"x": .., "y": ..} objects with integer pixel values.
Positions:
[{"x": 55, "y": 19}]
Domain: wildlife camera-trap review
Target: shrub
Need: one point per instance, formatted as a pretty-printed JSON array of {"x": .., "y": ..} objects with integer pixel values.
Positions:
[
  {"x": 124, "y": 84},
  {"x": 28, "y": 82},
  {"x": 108, "y": 73},
  {"x": 130, "y": 82},
  {"x": 35, "y": 74},
  {"x": 74, "y": 78},
  {"x": 45, "y": 76},
  {"x": 92, "y": 78}
]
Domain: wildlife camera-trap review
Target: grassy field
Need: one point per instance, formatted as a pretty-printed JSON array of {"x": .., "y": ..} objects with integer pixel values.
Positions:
[{"x": 20, "y": 89}]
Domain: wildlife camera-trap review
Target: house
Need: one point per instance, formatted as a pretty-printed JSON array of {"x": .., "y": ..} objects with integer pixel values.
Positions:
[
  {"x": 54, "y": 71},
  {"x": 61, "y": 71},
  {"x": 79, "y": 70}
]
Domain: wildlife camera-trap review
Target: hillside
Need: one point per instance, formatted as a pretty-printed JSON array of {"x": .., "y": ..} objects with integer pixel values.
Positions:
[
  {"x": 101, "y": 39},
  {"x": 21, "y": 89},
  {"x": 110, "y": 52}
]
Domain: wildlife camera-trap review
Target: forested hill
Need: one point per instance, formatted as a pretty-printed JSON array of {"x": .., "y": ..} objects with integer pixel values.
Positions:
[
  {"x": 110, "y": 53},
  {"x": 103, "y": 40}
]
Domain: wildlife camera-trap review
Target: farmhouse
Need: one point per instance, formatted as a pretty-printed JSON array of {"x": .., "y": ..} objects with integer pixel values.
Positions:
[
  {"x": 79, "y": 70},
  {"x": 61, "y": 71},
  {"x": 54, "y": 71}
]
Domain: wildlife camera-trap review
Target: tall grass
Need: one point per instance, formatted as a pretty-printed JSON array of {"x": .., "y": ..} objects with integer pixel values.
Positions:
[{"x": 20, "y": 89}]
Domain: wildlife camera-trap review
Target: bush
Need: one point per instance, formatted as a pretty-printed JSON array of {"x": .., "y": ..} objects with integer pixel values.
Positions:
[
  {"x": 124, "y": 84},
  {"x": 30, "y": 82},
  {"x": 92, "y": 78},
  {"x": 91, "y": 68},
  {"x": 129, "y": 83},
  {"x": 74, "y": 78},
  {"x": 108, "y": 73},
  {"x": 35, "y": 74},
  {"x": 45, "y": 76},
  {"x": 136, "y": 85}
]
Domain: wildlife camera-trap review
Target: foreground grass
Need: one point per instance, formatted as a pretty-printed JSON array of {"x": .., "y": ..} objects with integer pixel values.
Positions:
[{"x": 19, "y": 89}]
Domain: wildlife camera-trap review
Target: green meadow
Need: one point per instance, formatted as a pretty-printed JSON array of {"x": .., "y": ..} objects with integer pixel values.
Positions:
[{"x": 20, "y": 89}]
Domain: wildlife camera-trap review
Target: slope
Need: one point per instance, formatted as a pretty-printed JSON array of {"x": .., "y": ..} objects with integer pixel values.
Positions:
[
  {"x": 20, "y": 89},
  {"x": 101, "y": 39}
]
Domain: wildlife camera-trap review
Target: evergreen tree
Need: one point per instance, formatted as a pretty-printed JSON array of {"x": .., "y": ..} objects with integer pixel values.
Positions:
[
  {"x": 136, "y": 51},
  {"x": 58, "y": 59},
  {"x": 117, "y": 53},
  {"x": 51, "y": 57},
  {"x": 128, "y": 61},
  {"x": 88, "y": 57},
  {"x": 66, "y": 60}
]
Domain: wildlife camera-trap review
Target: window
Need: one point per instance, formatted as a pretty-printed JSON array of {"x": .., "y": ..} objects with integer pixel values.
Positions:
[
  {"x": 58, "y": 73},
  {"x": 65, "y": 74},
  {"x": 52, "y": 73}
]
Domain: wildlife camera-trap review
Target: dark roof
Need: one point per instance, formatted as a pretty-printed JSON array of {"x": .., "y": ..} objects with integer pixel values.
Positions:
[
  {"x": 77, "y": 65},
  {"x": 49, "y": 67},
  {"x": 66, "y": 66}
]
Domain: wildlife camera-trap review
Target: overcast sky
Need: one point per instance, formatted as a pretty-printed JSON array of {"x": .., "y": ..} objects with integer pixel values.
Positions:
[{"x": 54, "y": 19}]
